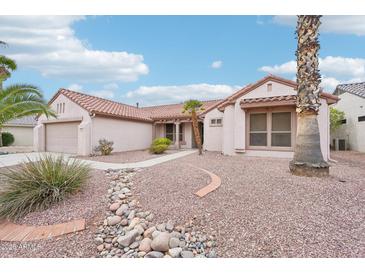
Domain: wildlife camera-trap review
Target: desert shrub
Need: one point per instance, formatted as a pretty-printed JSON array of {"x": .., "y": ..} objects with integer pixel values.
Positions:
[
  {"x": 7, "y": 138},
  {"x": 158, "y": 149},
  {"x": 162, "y": 141},
  {"x": 159, "y": 145},
  {"x": 36, "y": 185},
  {"x": 105, "y": 147}
]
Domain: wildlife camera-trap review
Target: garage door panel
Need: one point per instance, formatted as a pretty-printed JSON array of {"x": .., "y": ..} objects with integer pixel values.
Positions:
[{"x": 62, "y": 137}]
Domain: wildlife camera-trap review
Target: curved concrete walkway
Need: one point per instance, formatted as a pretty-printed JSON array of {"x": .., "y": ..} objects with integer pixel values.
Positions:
[
  {"x": 17, "y": 158},
  {"x": 215, "y": 182},
  {"x": 11, "y": 232}
]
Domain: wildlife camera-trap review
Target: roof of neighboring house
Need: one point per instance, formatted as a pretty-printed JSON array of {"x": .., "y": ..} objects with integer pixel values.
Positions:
[
  {"x": 174, "y": 110},
  {"x": 25, "y": 121},
  {"x": 100, "y": 106},
  {"x": 354, "y": 88}
]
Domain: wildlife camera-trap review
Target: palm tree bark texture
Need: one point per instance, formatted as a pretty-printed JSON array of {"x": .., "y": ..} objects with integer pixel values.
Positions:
[
  {"x": 192, "y": 106},
  {"x": 308, "y": 159}
]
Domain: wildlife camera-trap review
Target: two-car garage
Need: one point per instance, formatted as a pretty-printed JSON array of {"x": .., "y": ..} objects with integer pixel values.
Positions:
[{"x": 62, "y": 137}]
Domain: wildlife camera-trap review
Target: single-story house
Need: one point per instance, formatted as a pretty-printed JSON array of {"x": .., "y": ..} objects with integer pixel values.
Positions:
[
  {"x": 84, "y": 119},
  {"x": 351, "y": 133},
  {"x": 259, "y": 119},
  {"x": 22, "y": 130}
]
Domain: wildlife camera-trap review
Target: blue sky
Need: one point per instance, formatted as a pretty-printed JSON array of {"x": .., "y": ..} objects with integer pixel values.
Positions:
[{"x": 167, "y": 59}]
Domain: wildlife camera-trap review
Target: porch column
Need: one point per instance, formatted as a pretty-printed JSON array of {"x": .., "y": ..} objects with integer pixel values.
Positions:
[
  {"x": 177, "y": 137},
  {"x": 153, "y": 131}
]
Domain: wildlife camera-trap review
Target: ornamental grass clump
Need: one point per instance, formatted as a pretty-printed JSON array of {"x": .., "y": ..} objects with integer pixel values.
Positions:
[{"x": 36, "y": 185}]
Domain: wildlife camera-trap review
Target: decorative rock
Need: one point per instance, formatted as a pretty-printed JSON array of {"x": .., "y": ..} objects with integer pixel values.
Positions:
[
  {"x": 131, "y": 215},
  {"x": 161, "y": 227},
  {"x": 182, "y": 244},
  {"x": 133, "y": 223},
  {"x": 121, "y": 196},
  {"x": 174, "y": 242},
  {"x": 212, "y": 254},
  {"x": 150, "y": 217},
  {"x": 100, "y": 247},
  {"x": 175, "y": 252},
  {"x": 169, "y": 226},
  {"x": 155, "y": 234},
  {"x": 125, "y": 190},
  {"x": 149, "y": 231},
  {"x": 187, "y": 254},
  {"x": 139, "y": 228},
  {"x": 145, "y": 245},
  {"x": 114, "y": 206},
  {"x": 167, "y": 256},
  {"x": 124, "y": 222},
  {"x": 98, "y": 240},
  {"x": 129, "y": 238},
  {"x": 122, "y": 209},
  {"x": 134, "y": 245},
  {"x": 113, "y": 220},
  {"x": 154, "y": 254},
  {"x": 161, "y": 242}
]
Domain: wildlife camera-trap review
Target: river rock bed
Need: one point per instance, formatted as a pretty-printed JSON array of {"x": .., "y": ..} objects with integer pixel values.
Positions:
[{"x": 128, "y": 231}]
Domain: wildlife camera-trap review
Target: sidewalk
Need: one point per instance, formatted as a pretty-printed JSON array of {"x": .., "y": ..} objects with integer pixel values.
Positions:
[{"x": 17, "y": 158}]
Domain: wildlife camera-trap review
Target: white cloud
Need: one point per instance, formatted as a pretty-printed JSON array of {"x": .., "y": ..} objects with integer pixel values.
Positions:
[
  {"x": 157, "y": 95},
  {"x": 341, "y": 24},
  {"x": 334, "y": 70},
  {"x": 217, "y": 64},
  {"x": 107, "y": 91},
  {"x": 48, "y": 44}
]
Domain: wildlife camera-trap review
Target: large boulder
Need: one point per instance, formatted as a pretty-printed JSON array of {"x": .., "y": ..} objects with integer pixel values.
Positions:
[
  {"x": 145, "y": 245},
  {"x": 161, "y": 242}
]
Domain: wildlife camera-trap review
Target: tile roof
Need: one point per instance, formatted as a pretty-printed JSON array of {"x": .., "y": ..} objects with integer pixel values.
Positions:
[
  {"x": 100, "y": 106},
  {"x": 25, "y": 121},
  {"x": 288, "y": 99},
  {"x": 354, "y": 88},
  {"x": 174, "y": 110}
]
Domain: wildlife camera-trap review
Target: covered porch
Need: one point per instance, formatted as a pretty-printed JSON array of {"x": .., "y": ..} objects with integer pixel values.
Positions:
[{"x": 179, "y": 131}]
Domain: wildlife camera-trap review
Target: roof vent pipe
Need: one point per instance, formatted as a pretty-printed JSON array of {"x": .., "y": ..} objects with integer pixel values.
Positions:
[{"x": 137, "y": 105}]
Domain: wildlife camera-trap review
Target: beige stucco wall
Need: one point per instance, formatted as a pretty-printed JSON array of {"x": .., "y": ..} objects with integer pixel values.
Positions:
[
  {"x": 353, "y": 131},
  {"x": 72, "y": 111},
  {"x": 231, "y": 138},
  {"x": 23, "y": 135},
  {"x": 212, "y": 134},
  {"x": 126, "y": 135}
]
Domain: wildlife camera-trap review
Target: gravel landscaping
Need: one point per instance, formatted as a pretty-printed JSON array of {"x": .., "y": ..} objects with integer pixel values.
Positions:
[
  {"x": 261, "y": 210},
  {"x": 126, "y": 157},
  {"x": 89, "y": 203}
]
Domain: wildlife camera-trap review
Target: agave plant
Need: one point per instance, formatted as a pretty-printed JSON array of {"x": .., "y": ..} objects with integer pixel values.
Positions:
[{"x": 308, "y": 159}]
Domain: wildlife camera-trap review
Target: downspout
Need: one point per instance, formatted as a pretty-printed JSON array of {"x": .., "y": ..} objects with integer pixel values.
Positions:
[
  {"x": 92, "y": 116},
  {"x": 329, "y": 136}
]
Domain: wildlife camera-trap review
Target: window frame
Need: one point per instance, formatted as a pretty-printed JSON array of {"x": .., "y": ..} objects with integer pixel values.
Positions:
[
  {"x": 215, "y": 124},
  {"x": 269, "y": 112}
]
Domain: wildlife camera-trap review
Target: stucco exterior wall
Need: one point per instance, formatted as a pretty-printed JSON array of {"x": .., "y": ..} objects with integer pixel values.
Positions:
[
  {"x": 126, "y": 135},
  {"x": 228, "y": 130},
  {"x": 277, "y": 90},
  {"x": 23, "y": 135},
  {"x": 212, "y": 134},
  {"x": 353, "y": 131}
]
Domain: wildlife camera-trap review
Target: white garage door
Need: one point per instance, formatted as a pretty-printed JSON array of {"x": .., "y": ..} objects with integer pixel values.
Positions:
[{"x": 62, "y": 137}]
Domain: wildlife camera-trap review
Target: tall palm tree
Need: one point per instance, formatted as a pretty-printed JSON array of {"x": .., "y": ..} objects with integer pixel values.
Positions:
[
  {"x": 192, "y": 107},
  {"x": 17, "y": 101},
  {"x": 308, "y": 159}
]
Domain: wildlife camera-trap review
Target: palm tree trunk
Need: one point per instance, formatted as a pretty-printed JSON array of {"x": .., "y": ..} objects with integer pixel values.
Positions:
[
  {"x": 308, "y": 159},
  {"x": 198, "y": 142}
]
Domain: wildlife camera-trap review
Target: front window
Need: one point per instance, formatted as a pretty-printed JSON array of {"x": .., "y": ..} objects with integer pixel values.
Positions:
[
  {"x": 258, "y": 129},
  {"x": 272, "y": 129}
]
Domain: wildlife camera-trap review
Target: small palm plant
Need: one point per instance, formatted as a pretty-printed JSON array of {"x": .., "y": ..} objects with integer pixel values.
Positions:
[
  {"x": 192, "y": 107},
  {"x": 36, "y": 185}
]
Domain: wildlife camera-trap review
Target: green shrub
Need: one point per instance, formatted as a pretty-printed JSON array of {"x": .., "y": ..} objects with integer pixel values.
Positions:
[
  {"x": 161, "y": 141},
  {"x": 7, "y": 138},
  {"x": 36, "y": 185},
  {"x": 158, "y": 149},
  {"x": 105, "y": 147}
]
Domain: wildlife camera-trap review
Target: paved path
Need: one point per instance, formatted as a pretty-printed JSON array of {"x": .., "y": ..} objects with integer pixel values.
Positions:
[
  {"x": 214, "y": 183},
  {"x": 17, "y": 158},
  {"x": 11, "y": 232}
]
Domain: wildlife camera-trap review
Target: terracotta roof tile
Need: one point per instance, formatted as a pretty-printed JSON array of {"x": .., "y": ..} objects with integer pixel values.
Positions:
[
  {"x": 96, "y": 105},
  {"x": 290, "y": 99},
  {"x": 175, "y": 110}
]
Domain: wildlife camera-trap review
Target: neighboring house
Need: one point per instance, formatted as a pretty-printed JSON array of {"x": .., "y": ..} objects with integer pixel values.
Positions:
[
  {"x": 261, "y": 120},
  {"x": 22, "y": 129},
  {"x": 353, "y": 104},
  {"x": 84, "y": 119}
]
